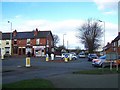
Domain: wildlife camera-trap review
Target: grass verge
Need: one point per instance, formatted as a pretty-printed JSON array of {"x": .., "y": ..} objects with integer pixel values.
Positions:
[
  {"x": 33, "y": 83},
  {"x": 99, "y": 71}
]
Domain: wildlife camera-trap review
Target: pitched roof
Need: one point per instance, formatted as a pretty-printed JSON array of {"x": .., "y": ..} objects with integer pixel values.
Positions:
[
  {"x": 6, "y": 36},
  {"x": 43, "y": 34},
  {"x": 27, "y": 35},
  {"x": 117, "y": 38},
  {"x": 24, "y": 35}
]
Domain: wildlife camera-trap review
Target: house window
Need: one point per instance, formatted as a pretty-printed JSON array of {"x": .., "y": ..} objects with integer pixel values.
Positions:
[
  {"x": 37, "y": 41},
  {"x": 7, "y": 42},
  {"x": 15, "y": 41},
  {"x": 28, "y": 41}
]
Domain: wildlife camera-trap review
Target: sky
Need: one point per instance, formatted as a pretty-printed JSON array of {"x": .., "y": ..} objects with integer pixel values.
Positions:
[{"x": 60, "y": 17}]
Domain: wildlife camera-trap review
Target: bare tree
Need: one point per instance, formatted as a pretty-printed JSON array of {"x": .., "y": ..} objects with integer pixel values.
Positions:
[
  {"x": 90, "y": 35},
  {"x": 56, "y": 39}
]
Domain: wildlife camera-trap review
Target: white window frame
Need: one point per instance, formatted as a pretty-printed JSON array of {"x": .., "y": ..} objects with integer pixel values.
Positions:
[
  {"x": 28, "y": 41},
  {"x": 8, "y": 42},
  {"x": 37, "y": 41}
]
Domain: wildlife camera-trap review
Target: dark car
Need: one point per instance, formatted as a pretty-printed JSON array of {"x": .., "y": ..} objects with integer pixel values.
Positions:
[{"x": 92, "y": 56}]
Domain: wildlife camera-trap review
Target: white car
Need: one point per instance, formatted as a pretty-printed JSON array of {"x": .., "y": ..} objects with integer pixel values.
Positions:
[
  {"x": 73, "y": 55},
  {"x": 81, "y": 55}
]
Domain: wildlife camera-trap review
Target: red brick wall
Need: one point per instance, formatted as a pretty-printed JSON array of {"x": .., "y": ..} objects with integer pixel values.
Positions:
[
  {"x": 43, "y": 41},
  {"x": 21, "y": 43}
]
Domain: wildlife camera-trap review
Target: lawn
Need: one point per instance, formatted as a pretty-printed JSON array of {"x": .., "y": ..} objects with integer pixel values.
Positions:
[
  {"x": 99, "y": 71},
  {"x": 33, "y": 83}
]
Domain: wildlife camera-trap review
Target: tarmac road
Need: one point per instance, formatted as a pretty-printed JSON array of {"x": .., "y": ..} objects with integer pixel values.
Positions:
[{"x": 60, "y": 73}]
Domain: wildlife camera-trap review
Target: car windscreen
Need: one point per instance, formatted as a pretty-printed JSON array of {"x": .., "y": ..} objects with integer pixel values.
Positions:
[{"x": 103, "y": 57}]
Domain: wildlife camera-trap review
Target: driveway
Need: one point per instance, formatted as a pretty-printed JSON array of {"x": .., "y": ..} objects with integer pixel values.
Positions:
[{"x": 60, "y": 73}]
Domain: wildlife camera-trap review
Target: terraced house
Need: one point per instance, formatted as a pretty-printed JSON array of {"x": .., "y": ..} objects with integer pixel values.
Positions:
[
  {"x": 6, "y": 44},
  {"x": 38, "y": 43}
]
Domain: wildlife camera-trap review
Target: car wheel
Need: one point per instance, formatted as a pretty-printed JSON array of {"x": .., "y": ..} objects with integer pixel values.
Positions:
[{"x": 102, "y": 65}]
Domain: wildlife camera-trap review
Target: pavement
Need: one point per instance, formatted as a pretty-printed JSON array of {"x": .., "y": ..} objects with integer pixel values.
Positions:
[{"x": 59, "y": 73}]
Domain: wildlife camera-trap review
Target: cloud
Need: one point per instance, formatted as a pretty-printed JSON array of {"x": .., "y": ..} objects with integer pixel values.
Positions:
[
  {"x": 108, "y": 7},
  {"x": 68, "y": 27},
  {"x": 110, "y": 13}
]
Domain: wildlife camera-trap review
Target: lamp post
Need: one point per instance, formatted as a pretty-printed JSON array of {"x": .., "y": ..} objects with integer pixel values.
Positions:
[
  {"x": 104, "y": 35},
  {"x": 11, "y": 34},
  {"x": 63, "y": 39}
]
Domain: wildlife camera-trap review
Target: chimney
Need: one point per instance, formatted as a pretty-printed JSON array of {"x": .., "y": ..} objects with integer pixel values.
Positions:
[
  {"x": 0, "y": 35},
  {"x": 36, "y": 32},
  {"x": 118, "y": 33},
  {"x": 14, "y": 33},
  {"x": 108, "y": 43}
]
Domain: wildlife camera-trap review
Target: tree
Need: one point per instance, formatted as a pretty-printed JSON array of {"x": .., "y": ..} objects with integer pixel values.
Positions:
[
  {"x": 90, "y": 35},
  {"x": 56, "y": 39}
]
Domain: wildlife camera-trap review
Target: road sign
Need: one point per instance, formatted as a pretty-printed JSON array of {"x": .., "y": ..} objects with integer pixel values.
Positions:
[{"x": 112, "y": 56}]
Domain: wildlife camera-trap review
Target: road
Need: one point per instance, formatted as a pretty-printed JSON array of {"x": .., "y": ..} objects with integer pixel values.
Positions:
[{"x": 13, "y": 69}]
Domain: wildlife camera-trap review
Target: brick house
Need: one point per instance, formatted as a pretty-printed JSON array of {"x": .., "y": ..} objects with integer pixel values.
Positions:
[
  {"x": 0, "y": 43},
  {"x": 6, "y": 44},
  {"x": 114, "y": 46},
  {"x": 37, "y": 42}
]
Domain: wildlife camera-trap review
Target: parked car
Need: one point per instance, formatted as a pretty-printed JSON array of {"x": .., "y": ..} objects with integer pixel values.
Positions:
[
  {"x": 74, "y": 56},
  {"x": 81, "y": 55},
  {"x": 65, "y": 55},
  {"x": 101, "y": 61},
  {"x": 92, "y": 56}
]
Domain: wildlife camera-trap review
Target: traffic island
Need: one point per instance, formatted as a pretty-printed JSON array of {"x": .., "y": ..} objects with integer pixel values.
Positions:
[{"x": 98, "y": 71}]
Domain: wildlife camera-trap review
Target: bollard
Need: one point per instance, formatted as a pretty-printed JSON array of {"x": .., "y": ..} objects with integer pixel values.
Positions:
[
  {"x": 70, "y": 57},
  {"x": 2, "y": 57},
  {"x": 27, "y": 61},
  {"x": 47, "y": 58},
  {"x": 52, "y": 56},
  {"x": 66, "y": 59}
]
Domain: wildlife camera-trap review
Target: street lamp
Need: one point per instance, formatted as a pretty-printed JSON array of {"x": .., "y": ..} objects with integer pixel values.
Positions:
[
  {"x": 104, "y": 34},
  {"x": 11, "y": 34},
  {"x": 63, "y": 39}
]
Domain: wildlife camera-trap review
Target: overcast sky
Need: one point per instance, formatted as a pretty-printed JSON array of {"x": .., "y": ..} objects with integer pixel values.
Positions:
[{"x": 60, "y": 17}]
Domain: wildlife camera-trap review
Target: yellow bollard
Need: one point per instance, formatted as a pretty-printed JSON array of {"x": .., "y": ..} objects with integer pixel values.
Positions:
[
  {"x": 47, "y": 58},
  {"x": 27, "y": 61},
  {"x": 66, "y": 59},
  {"x": 2, "y": 57}
]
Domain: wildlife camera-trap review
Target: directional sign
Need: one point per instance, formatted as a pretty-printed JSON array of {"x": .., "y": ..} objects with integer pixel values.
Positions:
[{"x": 112, "y": 56}]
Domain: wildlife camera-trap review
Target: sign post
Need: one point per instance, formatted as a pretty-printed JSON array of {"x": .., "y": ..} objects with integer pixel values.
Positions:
[
  {"x": 112, "y": 57},
  {"x": 66, "y": 58}
]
